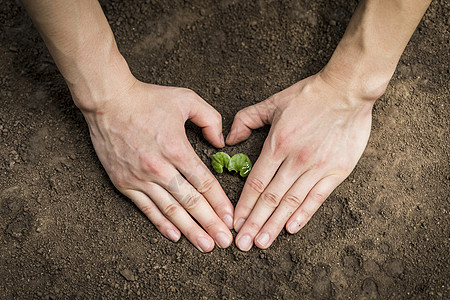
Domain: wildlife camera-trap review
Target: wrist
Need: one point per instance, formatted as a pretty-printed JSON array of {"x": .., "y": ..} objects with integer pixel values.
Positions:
[
  {"x": 365, "y": 59},
  {"x": 99, "y": 81},
  {"x": 363, "y": 75},
  {"x": 83, "y": 47}
]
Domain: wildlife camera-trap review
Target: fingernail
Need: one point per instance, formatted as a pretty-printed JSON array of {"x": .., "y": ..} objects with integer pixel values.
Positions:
[
  {"x": 228, "y": 220},
  {"x": 230, "y": 135},
  {"x": 222, "y": 140},
  {"x": 245, "y": 243},
  {"x": 293, "y": 227},
  {"x": 223, "y": 240},
  {"x": 204, "y": 244},
  {"x": 173, "y": 235},
  {"x": 263, "y": 239},
  {"x": 239, "y": 224}
]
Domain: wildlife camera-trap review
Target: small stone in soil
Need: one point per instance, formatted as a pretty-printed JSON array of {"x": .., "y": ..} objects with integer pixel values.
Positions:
[{"x": 127, "y": 274}]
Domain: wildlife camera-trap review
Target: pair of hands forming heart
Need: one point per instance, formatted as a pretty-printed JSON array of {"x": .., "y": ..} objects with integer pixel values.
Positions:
[
  {"x": 318, "y": 133},
  {"x": 319, "y": 126}
]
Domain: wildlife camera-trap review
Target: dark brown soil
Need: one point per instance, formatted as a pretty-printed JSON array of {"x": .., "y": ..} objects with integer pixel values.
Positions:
[{"x": 67, "y": 233}]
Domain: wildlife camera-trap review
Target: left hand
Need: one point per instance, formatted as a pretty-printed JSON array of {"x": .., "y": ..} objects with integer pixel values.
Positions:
[{"x": 317, "y": 136}]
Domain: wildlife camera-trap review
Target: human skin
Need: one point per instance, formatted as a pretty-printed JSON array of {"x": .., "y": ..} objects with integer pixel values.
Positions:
[
  {"x": 320, "y": 125},
  {"x": 137, "y": 129}
]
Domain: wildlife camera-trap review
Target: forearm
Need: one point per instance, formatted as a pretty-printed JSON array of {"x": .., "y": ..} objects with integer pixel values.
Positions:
[
  {"x": 366, "y": 58},
  {"x": 82, "y": 44}
]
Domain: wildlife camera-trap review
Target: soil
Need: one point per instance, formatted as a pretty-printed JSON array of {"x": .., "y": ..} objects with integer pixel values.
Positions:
[{"x": 67, "y": 233}]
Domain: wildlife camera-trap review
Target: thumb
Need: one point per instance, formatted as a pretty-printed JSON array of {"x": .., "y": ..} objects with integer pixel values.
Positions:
[
  {"x": 205, "y": 116},
  {"x": 249, "y": 118}
]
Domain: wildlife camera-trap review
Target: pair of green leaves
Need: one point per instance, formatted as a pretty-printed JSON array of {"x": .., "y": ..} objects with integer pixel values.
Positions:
[{"x": 239, "y": 163}]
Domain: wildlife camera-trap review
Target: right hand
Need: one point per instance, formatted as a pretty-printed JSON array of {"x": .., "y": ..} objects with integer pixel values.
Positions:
[{"x": 140, "y": 139}]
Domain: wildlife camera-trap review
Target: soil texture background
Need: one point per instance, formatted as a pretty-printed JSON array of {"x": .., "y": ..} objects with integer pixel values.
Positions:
[{"x": 65, "y": 232}]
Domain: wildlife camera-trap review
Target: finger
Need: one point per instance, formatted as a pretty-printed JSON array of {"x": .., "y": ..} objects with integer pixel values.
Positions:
[
  {"x": 195, "y": 171},
  {"x": 205, "y": 116},
  {"x": 266, "y": 205},
  {"x": 146, "y": 205},
  {"x": 173, "y": 211},
  {"x": 249, "y": 118},
  {"x": 198, "y": 208},
  {"x": 259, "y": 178},
  {"x": 315, "y": 198},
  {"x": 291, "y": 200}
]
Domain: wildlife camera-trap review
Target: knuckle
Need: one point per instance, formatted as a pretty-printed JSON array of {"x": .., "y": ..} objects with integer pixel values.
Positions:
[
  {"x": 279, "y": 144},
  {"x": 284, "y": 138},
  {"x": 173, "y": 149},
  {"x": 317, "y": 197},
  {"x": 345, "y": 169},
  {"x": 271, "y": 199},
  {"x": 147, "y": 210},
  {"x": 245, "y": 115},
  {"x": 256, "y": 184},
  {"x": 217, "y": 117},
  {"x": 192, "y": 97},
  {"x": 273, "y": 99},
  {"x": 160, "y": 225},
  {"x": 209, "y": 225},
  {"x": 321, "y": 163},
  {"x": 190, "y": 93},
  {"x": 239, "y": 116},
  {"x": 206, "y": 185},
  {"x": 119, "y": 182},
  {"x": 293, "y": 200},
  {"x": 305, "y": 215},
  {"x": 176, "y": 154},
  {"x": 342, "y": 166},
  {"x": 151, "y": 165},
  {"x": 171, "y": 210},
  {"x": 252, "y": 226},
  {"x": 303, "y": 156},
  {"x": 191, "y": 201}
]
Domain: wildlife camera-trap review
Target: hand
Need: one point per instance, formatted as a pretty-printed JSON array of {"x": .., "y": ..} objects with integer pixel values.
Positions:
[
  {"x": 140, "y": 139},
  {"x": 317, "y": 136}
]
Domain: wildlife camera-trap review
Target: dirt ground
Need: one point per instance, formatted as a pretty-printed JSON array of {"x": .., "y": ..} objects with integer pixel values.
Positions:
[{"x": 67, "y": 233}]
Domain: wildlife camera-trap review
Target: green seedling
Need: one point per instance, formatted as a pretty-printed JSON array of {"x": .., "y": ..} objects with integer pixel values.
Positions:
[
  {"x": 219, "y": 161},
  {"x": 238, "y": 163}
]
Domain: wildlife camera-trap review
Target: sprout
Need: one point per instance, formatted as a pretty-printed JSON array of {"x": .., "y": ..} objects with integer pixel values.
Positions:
[
  {"x": 238, "y": 163},
  {"x": 219, "y": 161}
]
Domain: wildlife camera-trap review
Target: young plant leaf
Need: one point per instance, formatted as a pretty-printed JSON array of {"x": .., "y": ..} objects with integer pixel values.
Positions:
[
  {"x": 240, "y": 163},
  {"x": 219, "y": 161}
]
